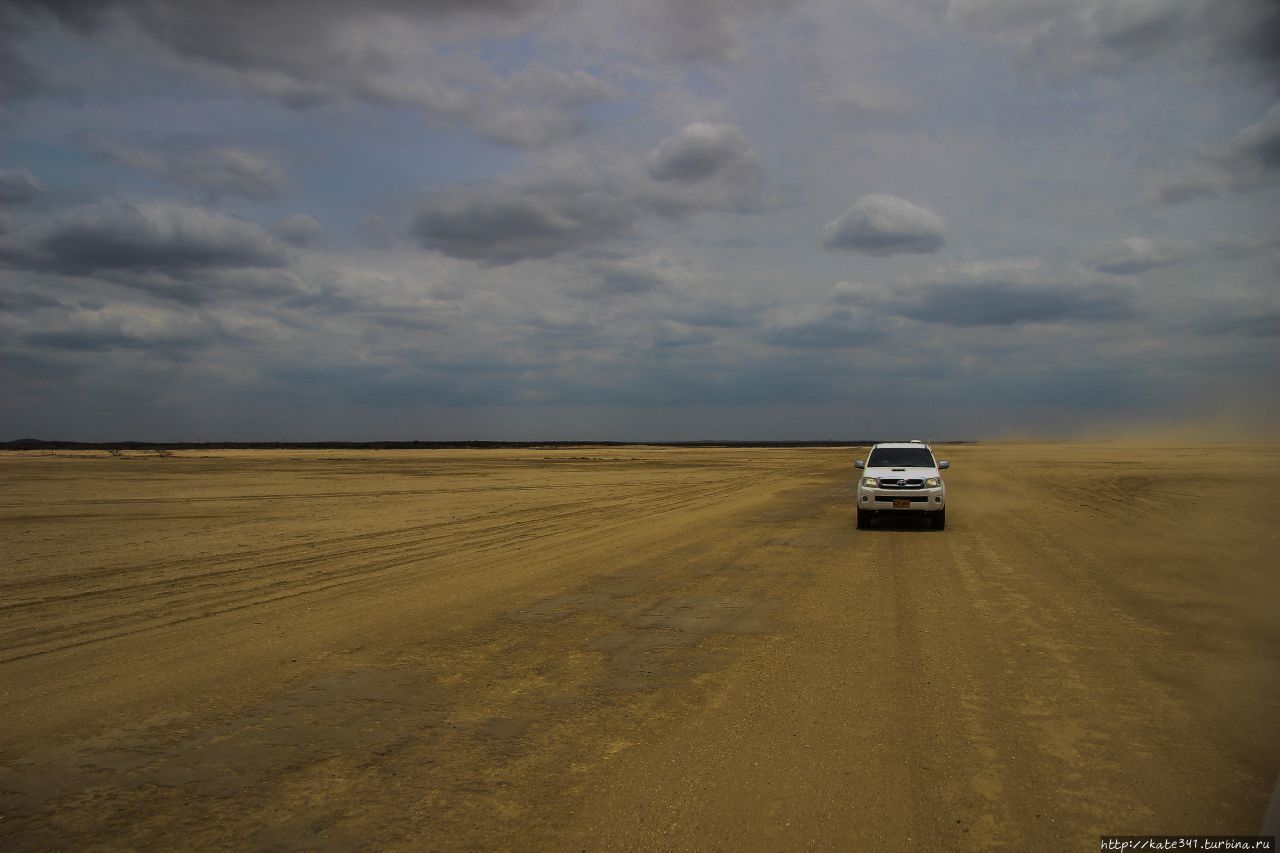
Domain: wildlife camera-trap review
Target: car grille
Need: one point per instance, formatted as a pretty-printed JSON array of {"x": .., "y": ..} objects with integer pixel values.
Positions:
[
  {"x": 898, "y": 483},
  {"x": 915, "y": 499}
]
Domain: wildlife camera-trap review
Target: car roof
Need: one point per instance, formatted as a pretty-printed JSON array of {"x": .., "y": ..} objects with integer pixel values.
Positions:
[{"x": 901, "y": 444}]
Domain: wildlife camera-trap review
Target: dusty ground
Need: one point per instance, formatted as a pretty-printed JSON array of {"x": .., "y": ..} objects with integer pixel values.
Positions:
[{"x": 634, "y": 648}]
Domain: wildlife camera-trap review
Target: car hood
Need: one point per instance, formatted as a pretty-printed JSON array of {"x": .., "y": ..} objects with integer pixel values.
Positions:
[{"x": 900, "y": 473}]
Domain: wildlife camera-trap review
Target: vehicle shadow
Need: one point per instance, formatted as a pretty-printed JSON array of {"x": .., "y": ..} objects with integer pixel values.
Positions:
[{"x": 909, "y": 524}]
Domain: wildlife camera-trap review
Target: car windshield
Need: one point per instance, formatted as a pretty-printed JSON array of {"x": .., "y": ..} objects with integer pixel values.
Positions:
[{"x": 900, "y": 457}]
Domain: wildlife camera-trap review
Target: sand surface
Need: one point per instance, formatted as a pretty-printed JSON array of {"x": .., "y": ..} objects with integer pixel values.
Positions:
[{"x": 634, "y": 648}]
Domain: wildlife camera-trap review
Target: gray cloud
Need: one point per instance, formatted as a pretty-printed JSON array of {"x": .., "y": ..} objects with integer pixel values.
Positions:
[
  {"x": 105, "y": 339},
  {"x": 217, "y": 171},
  {"x": 700, "y": 151},
  {"x": 503, "y": 222},
  {"x": 229, "y": 171},
  {"x": 19, "y": 78},
  {"x": 533, "y": 107},
  {"x": 621, "y": 281},
  {"x": 169, "y": 334},
  {"x": 674, "y": 335},
  {"x": 1140, "y": 254},
  {"x": 149, "y": 236},
  {"x": 822, "y": 327},
  {"x": 883, "y": 225},
  {"x": 716, "y": 315},
  {"x": 1186, "y": 188},
  {"x": 300, "y": 229},
  {"x": 1256, "y": 147},
  {"x": 234, "y": 31},
  {"x": 704, "y": 30},
  {"x": 1264, "y": 323},
  {"x": 19, "y": 186}
]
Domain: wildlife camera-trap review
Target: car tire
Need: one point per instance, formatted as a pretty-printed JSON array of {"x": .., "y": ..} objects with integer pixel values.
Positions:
[
  {"x": 864, "y": 519},
  {"x": 938, "y": 519}
]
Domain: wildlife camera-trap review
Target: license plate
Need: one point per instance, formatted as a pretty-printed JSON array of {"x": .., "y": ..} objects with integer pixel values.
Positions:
[{"x": 902, "y": 504}]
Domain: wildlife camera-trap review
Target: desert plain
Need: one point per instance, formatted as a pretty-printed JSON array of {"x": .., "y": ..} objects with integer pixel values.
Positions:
[{"x": 634, "y": 648}]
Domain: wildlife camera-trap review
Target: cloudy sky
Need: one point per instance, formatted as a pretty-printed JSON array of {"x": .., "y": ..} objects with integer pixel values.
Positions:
[{"x": 680, "y": 219}]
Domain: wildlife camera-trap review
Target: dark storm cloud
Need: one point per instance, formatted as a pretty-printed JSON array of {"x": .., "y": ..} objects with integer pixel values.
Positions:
[
  {"x": 311, "y": 54},
  {"x": 700, "y": 151},
  {"x": 300, "y": 229},
  {"x": 147, "y": 237},
  {"x": 24, "y": 300},
  {"x": 977, "y": 297},
  {"x": 217, "y": 171},
  {"x": 883, "y": 225},
  {"x": 501, "y": 224},
  {"x": 1007, "y": 304},
  {"x": 19, "y": 186}
]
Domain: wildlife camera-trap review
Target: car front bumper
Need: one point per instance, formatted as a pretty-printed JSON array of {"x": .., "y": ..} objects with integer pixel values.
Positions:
[{"x": 902, "y": 500}]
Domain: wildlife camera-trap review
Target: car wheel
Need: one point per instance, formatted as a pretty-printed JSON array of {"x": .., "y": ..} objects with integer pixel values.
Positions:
[
  {"x": 938, "y": 519},
  {"x": 864, "y": 519}
]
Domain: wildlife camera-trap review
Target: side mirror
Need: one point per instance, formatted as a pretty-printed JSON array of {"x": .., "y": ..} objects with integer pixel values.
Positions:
[
  {"x": 859, "y": 464},
  {"x": 942, "y": 466}
]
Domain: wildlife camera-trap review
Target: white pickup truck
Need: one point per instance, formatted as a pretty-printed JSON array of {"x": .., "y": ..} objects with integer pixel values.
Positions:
[{"x": 902, "y": 478}]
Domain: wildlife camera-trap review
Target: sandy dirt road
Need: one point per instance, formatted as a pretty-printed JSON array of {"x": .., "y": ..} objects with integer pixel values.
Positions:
[{"x": 634, "y": 648}]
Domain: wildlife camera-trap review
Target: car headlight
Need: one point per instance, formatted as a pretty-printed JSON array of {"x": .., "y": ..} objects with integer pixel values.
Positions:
[
  {"x": 932, "y": 482},
  {"x": 870, "y": 482}
]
